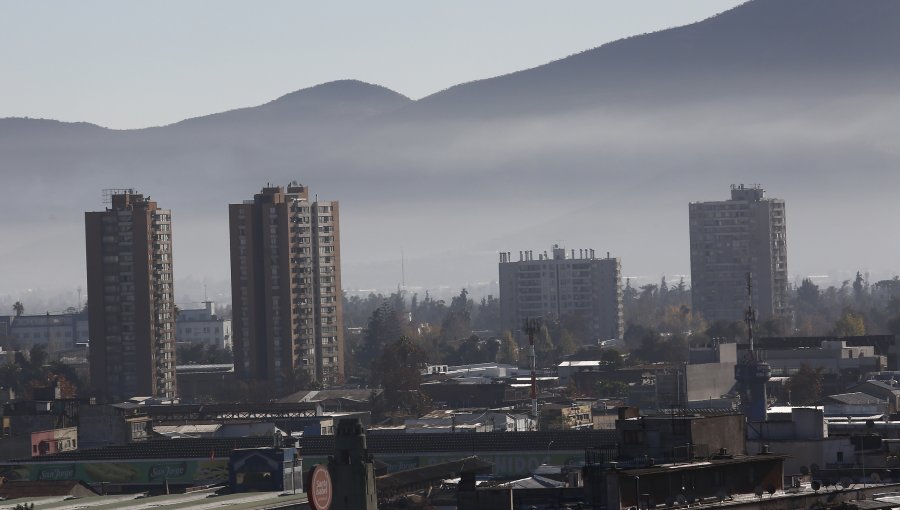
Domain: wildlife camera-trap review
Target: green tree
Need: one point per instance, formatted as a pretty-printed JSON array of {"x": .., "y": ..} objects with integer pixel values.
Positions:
[
  {"x": 680, "y": 320},
  {"x": 727, "y": 331},
  {"x": 851, "y": 323},
  {"x": 611, "y": 389},
  {"x": 544, "y": 350},
  {"x": 566, "y": 344},
  {"x": 629, "y": 295},
  {"x": 384, "y": 326},
  {"x": 859, "y": 286},
  {"x": 635, "y": 334},
  {"x": 487, "y": 315},
  {"x": 471, "y": 350},
  {"x": 67, "y": 372},
  {"x": 509, "y": 349},
  {"x": 808, "y": 293},
  {"x": 11, "y": 377},
  {"x": 805, "y": 387},
  {"x": 398, "y": 371},
  {"x": 18, "y": 308},
  {"x": 457, "y": 324}
]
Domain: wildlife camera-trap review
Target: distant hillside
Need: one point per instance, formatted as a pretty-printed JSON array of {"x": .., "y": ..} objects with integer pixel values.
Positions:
[
  {"x": 345, "y": 100},
  {"x": 760, "y": 47}
]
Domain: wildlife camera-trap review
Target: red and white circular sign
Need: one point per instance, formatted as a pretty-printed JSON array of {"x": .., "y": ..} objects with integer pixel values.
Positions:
[{"x": 320, "y": 490}]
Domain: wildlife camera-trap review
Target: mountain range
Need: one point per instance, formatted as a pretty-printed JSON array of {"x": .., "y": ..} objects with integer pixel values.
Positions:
[{"x": 602, "y": 149}]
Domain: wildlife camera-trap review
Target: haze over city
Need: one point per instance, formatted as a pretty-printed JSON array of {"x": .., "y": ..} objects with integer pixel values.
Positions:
[{"x": 603, "y": 149}]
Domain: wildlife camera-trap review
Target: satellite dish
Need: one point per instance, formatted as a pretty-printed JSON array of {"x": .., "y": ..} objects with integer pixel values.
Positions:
[
  {"x": 759, "y": 491},
  {"x": 816, "y": 485},
  {"x": 770, "y": 489}
]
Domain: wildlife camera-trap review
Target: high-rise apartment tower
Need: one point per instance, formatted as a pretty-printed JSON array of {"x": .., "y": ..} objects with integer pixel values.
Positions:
[
  {"x": 731, "y": 238},
  {"x": 131, "y": 314},
  {"x": 573, "y": 284},
  {"x": 287, "y": 317}
]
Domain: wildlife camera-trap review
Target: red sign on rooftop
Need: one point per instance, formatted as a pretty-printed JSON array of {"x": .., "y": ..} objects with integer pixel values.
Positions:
[{"x": 319, "y": 489}]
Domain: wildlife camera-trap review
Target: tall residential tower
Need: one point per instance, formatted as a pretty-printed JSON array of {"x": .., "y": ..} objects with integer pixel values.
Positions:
[
  {"x": 564, "y": 285},
  {"x": 731, "y": 238},
  {"x": 287, "y": 318},
  {"x": 132, "y": 306}
]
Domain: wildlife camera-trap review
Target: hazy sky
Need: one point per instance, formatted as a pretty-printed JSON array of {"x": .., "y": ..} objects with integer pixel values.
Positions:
[{"x": 135, "y": 64}]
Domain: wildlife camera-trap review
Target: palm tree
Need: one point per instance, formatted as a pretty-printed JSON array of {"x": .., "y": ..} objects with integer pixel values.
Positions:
[{"x": 19, "y": 308}]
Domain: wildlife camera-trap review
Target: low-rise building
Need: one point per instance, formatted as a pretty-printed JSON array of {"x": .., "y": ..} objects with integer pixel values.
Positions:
[
  {"x": 455, "y": 394},
  {"x": 202, "y": 325},
  {"x": 205, "y": 383},
  {"x": 48, "y": 442},
  {"x": 57, "y": 332},
  {"x": 574, "y": 416},
  {"x": 680, "y": 437},
  {"x": 854, "y": 404},
  {"x": 339, "y": 400},
  {"x": 701, "y": 383},
  {"x": 113, "y": 424},
  {"x": 470, "y": 420},
  {"x": 886, "y": 390},
  {"x": 842, "y": 361},
  {"x": 802, "y": 434}
]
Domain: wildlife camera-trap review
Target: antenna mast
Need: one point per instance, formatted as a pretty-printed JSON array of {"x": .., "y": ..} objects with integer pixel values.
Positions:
[
  {"x": 532, "y": 326},
  {"x": 750, "y": 318},
  {"x": 752, "y": 373}
]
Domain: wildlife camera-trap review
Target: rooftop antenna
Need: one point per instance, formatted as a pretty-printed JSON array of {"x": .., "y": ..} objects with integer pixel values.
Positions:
[
  {"x": 750, "y": 317},
  {"x": 752, "y": 373},
  {"x": 532, "y": 326}
]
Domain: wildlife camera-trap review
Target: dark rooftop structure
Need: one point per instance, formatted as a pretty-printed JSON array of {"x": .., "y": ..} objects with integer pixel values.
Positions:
[
  {"x": 885, "y": 345},
  {"x": 229, "y": 412},
  {"x": 474, "y": 442},
  {"x": 404, "y": 482},
  {"x": 165, "y": 448},
  {"x": 856, "y": 398},
  {"x": 24, "y": 489}
]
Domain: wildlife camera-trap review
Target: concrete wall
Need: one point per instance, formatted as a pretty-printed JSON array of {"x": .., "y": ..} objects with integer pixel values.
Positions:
[
  {"x": 806, "y": 452},
  {"x": 709, "y": 380}
]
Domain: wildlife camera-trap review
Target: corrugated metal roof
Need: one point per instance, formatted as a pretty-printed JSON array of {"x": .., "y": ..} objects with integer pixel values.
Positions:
[{"x": 856, "y": 398}]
